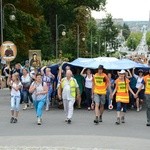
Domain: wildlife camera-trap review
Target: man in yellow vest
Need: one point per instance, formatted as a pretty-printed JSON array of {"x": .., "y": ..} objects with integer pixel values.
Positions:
[
  {"x": 99, "y": 87},
  {"x": 146, "y": 82},
  {"x": 67, "y": 91}
]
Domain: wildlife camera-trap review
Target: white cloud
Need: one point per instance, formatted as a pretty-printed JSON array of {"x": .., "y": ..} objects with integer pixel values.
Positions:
[{"x": 126, "y": 9}]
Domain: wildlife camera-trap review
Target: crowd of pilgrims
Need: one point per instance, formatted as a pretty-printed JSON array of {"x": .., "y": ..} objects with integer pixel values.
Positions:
[{"x": 21, "y": 81}]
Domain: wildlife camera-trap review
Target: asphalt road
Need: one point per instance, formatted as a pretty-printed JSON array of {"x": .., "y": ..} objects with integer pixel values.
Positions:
[{"x": 54, "y": 133}]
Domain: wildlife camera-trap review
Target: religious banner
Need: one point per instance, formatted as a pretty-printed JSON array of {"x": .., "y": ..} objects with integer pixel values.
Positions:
[
  {"x": 35, "y": 58},
  {"x": 8, "y": 51}
]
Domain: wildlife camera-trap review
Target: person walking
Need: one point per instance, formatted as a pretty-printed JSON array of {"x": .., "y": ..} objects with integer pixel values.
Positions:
[
  {"x": 99, "y": 88},
  {"x": 111, "y": 81},
  {"x": 39, "y": 92},
  {"x": 67, "y": 90},
  {"x": 140, "y": 98},
  {"x": 80, "y": 80},
  {"x": 15, "y": 85},
  {"x": 48, "y": 78},
  {"x": 121, "y": 90},
  {"x": 26, "y": 82},
  {"x": 88, "y": 86},
  {"x": 146, "y": 82}
]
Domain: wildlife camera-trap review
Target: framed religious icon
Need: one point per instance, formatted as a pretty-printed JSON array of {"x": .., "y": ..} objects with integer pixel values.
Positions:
[
  {"x": 35, "y": 58},
  {"x": 8, "y": 51}
]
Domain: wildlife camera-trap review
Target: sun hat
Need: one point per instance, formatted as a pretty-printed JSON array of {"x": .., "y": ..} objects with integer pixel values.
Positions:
[{"x": 122, "y": 72}]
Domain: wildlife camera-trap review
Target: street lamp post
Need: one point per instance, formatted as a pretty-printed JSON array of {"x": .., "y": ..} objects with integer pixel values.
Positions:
[
  {"x": 105, "y": 44},
  {"x": 91, "y": 34},
  {"x": 98, "y": 42},
  {"x": 99, "y": 45},
  {"x": 78, "y": 40},
  {"x": 1, "y": 7},
  {"x": 91, "y": 37},
  {"x": 57, "y": 37},
  {"x": 11, "y": 17}
]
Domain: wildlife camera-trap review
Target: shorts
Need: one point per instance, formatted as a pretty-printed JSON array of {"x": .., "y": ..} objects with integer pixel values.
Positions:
[
  {"x": 100, "y": 99},
  {"x": 141, "y": 93}
]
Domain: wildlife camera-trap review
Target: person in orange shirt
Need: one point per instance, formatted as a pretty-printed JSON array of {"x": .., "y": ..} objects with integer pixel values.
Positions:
[
  {"x": 122, "y": 89},
  {"x": 99, "y": 88},
  {"x": 146, "y": 82}
]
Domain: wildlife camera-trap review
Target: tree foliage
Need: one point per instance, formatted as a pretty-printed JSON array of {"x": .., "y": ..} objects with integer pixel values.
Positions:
[
  {"x": 134, "y": 40},
  {"x": 108, "y": 33},
  {"x": 148, "y": 40},
  {"x": 126, "y": 31},
  {"x": 34, "y": 27}
]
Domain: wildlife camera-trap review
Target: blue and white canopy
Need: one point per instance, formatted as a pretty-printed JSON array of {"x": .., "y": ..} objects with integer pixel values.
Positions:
[{"x": 109, "y": 63}]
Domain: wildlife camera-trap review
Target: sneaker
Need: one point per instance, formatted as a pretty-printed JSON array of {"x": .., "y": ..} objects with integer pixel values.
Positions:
[
  {"x": 132, "y": 106},
  {"x": 148, "y": 124},
  {"x": 96, "y": 120},
  {"x": 122, "y": 119},
  {"x": 69, "y": 121},
  {"x": 31, "y": 106},
  {"x": 39, "y": 121},
  {"x": 118, "y": 121},
  {"x": 138, "y": 109},
  {"x": 100, "y": 119},
  {"x": 79, "y": 107},
  {"x": 15, "y": 120},
  {"x": 89, "y": 108},
  {"x": 66, "y": 120},
  {"x": 47, "y": 108},
  {"x": 12, "y": 119},
  {"x": 25, "y": 107}
]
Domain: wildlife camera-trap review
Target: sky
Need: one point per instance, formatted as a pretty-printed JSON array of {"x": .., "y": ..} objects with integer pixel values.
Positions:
[{"x": 129, "y": 10}]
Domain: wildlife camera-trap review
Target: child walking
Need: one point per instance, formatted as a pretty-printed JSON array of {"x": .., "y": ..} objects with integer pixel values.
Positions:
[{"x": 15, "y": 85}]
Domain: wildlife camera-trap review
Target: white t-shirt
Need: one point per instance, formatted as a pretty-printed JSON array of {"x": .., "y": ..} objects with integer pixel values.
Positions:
[
  {"x": 139, "y": 81},
  {"x": 66, "y": 93},
  {"x": 88, "y": 82},
  {"x": 26, "y": 79},
  {"x": 13, "y": 91},
  {"x": 39, "y": 88}
]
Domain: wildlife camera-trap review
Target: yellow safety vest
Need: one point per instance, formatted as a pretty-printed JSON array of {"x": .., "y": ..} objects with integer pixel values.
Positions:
[
  {"x": 122, "y": 94},
  {"x": 72, "y": 85},
  {"x": 147, "y": 84},
  {"x": 99, "y": 84}
]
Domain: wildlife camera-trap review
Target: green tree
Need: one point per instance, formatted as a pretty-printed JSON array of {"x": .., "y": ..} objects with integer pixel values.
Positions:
[
  {"x": 148, "y": 40},
  {"x": 108, "y": 33},
  {"x": 25, "y": 27},
  {"x": 69, "y": 13},
  {"x": 134, "y": 40},
  {"x": 126, "y": 31},
  {"x": 29, "y": 30},
  {"x": 34, "y": 27}
]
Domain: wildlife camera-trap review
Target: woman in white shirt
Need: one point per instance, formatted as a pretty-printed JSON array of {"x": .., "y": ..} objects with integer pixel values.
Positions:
[
  {"x": 39, "y": 92},
  {"x": 88, "y": 86},
  {"x": 48, "y": 78},
  {"x": 26, "y": 82},
  {"x": 140, "y": 80},
  {"x": 15, "y": 85}
]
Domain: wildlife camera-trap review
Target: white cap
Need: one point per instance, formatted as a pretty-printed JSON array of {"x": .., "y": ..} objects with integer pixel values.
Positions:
[{"x": 122, "y": 72}]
